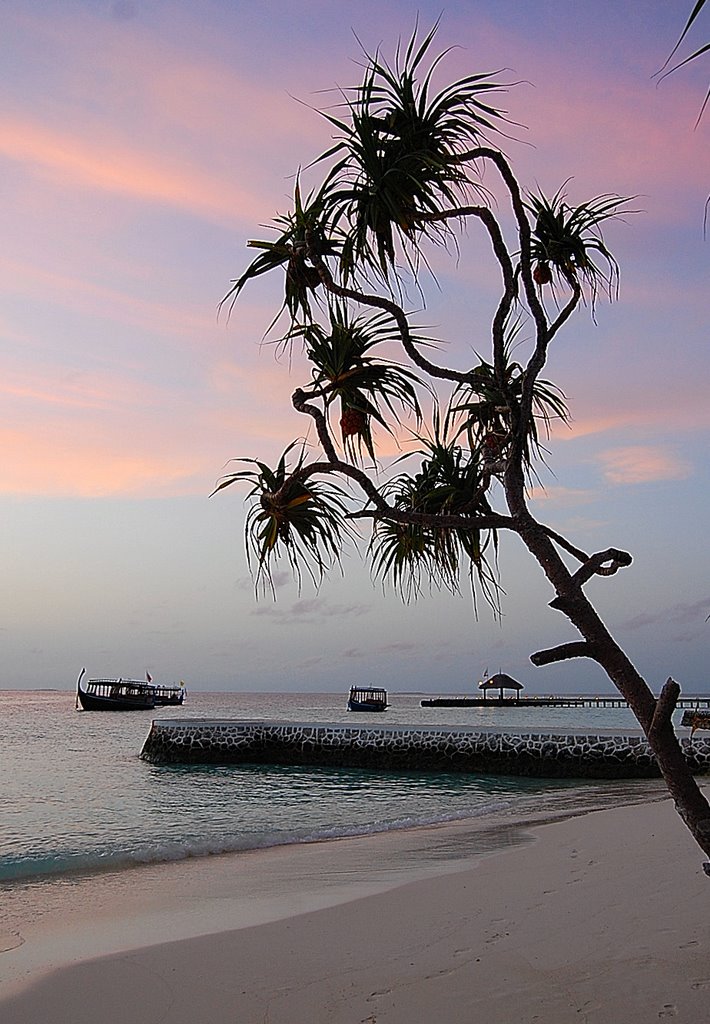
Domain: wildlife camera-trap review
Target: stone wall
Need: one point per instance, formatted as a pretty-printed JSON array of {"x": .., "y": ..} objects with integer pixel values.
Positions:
[{"x": 392, "y": 748}]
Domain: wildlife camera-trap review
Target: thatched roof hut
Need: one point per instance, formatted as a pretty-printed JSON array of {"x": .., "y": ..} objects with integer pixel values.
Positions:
[{"x": 501, "y": 682}]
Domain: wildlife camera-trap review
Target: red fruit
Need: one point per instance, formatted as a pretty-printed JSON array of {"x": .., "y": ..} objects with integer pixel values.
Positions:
[
  {"x": 542, "y": 274},
  {"x": 353, "y": 421}
]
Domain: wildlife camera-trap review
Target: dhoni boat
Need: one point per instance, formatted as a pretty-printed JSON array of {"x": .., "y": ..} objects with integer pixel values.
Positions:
[
  {"x": 125, "y": 694},
  {"x": 367, "y": 698}
]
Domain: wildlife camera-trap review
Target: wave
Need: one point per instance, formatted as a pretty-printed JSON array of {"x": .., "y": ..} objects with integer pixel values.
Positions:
[{"x": 51, "y": 865}]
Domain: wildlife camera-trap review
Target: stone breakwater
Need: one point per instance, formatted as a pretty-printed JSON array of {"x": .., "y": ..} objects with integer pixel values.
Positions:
[{"x": 415, "y": 748}]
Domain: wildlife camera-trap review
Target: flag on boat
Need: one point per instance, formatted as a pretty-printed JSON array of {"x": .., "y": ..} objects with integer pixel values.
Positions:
[{"x": 148, "y": 677}]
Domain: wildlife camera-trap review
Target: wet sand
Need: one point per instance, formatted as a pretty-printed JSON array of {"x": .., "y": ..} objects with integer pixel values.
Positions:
[{"x": 602, "y": 916}]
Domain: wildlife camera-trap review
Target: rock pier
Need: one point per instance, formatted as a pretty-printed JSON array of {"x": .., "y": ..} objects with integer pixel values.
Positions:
[{"x": 615, "y": 754}]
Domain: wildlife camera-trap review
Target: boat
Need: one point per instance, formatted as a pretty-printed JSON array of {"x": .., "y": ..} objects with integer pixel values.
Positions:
[
  {"x": 114, "y": 694},
  {"x": 126, "y": 694},
  {"x": 169, "y": 696},
  {"x": 367, "y": 698}
]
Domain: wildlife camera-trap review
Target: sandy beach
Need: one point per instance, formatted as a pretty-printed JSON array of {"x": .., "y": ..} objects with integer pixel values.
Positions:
[{"x": 600, "y": 917}]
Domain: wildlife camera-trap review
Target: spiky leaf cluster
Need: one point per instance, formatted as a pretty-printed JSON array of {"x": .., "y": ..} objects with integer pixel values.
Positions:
[
  {"x": 303, "y": 520},
  {"x": 448, "y": 493},
  {"x": 568, "y": 240},
  {"x": 490, "y": 404},
  {"x": 306, "y": 226},
  {"x": 398, "y": 154},
  {"x": 346, "y": 372}
]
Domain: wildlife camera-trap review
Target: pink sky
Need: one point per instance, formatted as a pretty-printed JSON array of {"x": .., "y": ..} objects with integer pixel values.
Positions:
[{"x": 142, "y": 144}]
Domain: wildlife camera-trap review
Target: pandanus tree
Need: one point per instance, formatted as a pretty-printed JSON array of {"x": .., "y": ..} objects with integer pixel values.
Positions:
[{"x": 405, "y": 173}]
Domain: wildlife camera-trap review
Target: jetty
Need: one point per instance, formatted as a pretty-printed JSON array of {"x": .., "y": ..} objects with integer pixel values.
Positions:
[
  {"x": 463, "y": 701},
  {"x": 494, "y": 689},
  {"x": 613, "y": 754}
]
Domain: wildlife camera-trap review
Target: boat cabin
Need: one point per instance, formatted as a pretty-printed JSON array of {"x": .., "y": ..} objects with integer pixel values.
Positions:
[
  {"x": 367, "y": 698},
  {"x": 115, "y": 695}
]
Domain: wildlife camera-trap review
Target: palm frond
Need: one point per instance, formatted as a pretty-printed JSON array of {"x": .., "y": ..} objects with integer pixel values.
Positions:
[
  {"x": 309, "y": 217},
  {"x": 568, "y": 245},
  {"x": 688, "y": 25},
  {"x": 663, "y": 73},
  {"x": 451, "y": 481},
  {"x": 345, "y": 369},
  {"x": 397, "y": 153},
  {"x": 486, "y": 404},
  {"x": 305, "y": 520}
]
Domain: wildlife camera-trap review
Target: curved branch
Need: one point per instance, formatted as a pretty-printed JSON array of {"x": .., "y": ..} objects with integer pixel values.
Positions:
[
  {"x": 391, "y": 307},
  {"x": 576, "y": 649},
  {"x": 493, "y": 521},
  {"x": 334, "y": 464},
  {"x": 523, "y": 225},
  {"x": 298, "y": 400},
  {"x": 544, "y": 331},
  {"x": 562, "y": 542},
  {"x": 506, "y": 264},
  {"x": 491, "y": 225},
  {"x": 345, "y": 469},
  {"x": 522, "y": 416},
  {"x": 596, "y": 565},
  {"x": 566, "y": 312}
]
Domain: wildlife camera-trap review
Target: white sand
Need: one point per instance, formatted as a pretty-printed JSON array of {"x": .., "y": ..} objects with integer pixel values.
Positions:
[{"x": 599, "y": 918}]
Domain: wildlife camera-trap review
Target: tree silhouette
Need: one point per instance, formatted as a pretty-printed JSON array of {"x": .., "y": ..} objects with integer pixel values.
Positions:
[{"x": 409, "y": 171}]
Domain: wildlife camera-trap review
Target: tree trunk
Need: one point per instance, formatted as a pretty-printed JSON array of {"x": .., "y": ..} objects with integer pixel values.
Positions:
[{"x": 654, "y": 716}]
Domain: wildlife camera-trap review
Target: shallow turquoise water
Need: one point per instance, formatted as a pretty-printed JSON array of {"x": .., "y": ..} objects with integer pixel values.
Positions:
[{"x": 77, "y": 797}]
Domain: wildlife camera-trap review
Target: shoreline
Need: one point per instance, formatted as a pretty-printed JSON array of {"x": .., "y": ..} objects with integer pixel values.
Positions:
[
  {"x": 294, "y": 896},
  {"x": 37, "y": 895},
  {"x": 570, "y": 797}
]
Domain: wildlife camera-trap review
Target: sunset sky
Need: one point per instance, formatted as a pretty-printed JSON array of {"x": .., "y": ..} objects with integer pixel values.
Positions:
[{"x": 142, "y": 142}]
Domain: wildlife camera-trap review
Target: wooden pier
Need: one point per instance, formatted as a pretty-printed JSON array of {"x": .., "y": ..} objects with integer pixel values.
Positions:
[{"x": 693, "y": 703}]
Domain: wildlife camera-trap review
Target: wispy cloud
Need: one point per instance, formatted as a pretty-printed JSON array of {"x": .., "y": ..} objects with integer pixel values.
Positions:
[
  {"x": 130, "y": 112},
  {"x": 106, "y": 301},
  {"x": 309, "y": 610},
  {"x": 34, "y": 464},
  {"x": 684, "y": 409},
  {"x": 683, "y": 613},
  {"x": 111, "y": 166},
  {"x": 640, "y": 464},
  {"x": 381, "y": 650},
  {"x": 563, "y": 497}
]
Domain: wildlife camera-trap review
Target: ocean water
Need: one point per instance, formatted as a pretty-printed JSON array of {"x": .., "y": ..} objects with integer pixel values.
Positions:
[{"x": 77, "y": 798}]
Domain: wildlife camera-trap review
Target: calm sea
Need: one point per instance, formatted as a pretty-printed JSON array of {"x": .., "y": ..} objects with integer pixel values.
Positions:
[{"x": 76, "y": 797}]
